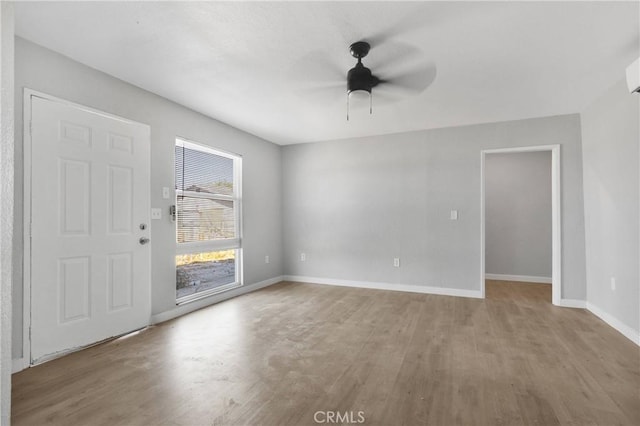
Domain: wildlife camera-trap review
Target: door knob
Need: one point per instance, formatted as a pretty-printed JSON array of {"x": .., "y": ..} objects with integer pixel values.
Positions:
[{"x": 143, "y": 240}]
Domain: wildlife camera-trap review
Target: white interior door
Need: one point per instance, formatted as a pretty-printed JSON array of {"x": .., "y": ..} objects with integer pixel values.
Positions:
[{"x": 90, "y": 272}]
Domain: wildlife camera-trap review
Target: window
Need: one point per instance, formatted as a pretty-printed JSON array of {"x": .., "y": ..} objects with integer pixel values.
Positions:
[{"x": 207, "y": 215}]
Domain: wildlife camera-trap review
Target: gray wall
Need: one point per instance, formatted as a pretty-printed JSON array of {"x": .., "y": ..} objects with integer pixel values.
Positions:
[
  {"x": 518, "y": 214},
  {"x": 610, "y": 131},
  {"x": 352, "y": 205},
  {"x": 46, "y": 71}
]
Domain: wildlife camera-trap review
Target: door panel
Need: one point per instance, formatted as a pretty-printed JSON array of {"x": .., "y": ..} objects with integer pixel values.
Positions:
[
  {"x": 120, "y": 200},
  {"x": 120, "y": 281},
  {"x": 90, "y": 277},
  {"x": 73, "y": 288}
]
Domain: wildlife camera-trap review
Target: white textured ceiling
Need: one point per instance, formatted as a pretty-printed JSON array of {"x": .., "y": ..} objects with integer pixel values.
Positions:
[{"x": 277, "y": 69}]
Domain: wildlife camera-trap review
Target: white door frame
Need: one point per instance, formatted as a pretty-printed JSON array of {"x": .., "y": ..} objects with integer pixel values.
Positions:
[
  {"x": 26, "y": 266},
  {"x": 556, "y": 219}
]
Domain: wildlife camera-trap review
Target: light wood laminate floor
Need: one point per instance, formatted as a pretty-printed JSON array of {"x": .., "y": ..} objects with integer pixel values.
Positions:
[{"x": 280, "y": 355}]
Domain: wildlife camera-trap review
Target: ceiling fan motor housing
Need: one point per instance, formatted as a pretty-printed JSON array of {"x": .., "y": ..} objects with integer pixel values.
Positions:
[{"x": 359, "y": 78}]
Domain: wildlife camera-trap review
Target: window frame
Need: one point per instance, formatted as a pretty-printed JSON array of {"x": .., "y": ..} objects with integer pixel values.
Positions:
[{"x": 234, "y": 243}]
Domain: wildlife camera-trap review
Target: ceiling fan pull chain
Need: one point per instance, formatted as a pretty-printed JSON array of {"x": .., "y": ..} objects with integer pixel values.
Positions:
[
  {"x": 370, "y": 103},
  {"x": 347, "y": 107}
]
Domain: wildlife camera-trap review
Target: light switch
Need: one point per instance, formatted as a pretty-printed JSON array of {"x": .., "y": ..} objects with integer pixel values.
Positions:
[
  {"x": 156, "y": 214},
  {"x": 453, "y": 215},
  {"x": 165, "y": 192}
]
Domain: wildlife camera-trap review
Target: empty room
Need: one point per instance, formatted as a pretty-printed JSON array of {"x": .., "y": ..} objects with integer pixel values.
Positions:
[{"x": 316, "y": 213}]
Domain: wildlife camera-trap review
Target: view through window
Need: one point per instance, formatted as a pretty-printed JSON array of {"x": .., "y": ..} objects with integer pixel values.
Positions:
[{"x": 207, "y": 184}]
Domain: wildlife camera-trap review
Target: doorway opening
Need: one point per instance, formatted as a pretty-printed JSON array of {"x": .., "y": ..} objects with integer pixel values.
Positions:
[{"x": 517, "y": 234}]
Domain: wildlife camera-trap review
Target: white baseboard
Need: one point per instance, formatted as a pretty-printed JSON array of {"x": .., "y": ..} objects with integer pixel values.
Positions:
[
  {"x": 624, "y": 329},
  {"x": 411, "y": 288},
  {"x": 573, "y": 303},
  {"x": 520, "y": 278},
  {"x": 18, "y": 364},
  {"x": 216, "y": 298}
]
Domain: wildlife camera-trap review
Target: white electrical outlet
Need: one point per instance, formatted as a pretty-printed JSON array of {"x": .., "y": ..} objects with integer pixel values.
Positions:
[
  {"x": 303, "y": 257},
  {"x": 156, "y": 214},
  {"x": 453, "y": 215},
  {"x": 396, "y": 262},
  {"x": 266, "y": 259},
  {"x": 165, "y": 192},
  {"x": 613, "y": 283}
]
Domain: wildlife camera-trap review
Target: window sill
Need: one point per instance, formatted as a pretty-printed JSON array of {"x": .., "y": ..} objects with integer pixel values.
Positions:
[{"x": 204, "y": 294}]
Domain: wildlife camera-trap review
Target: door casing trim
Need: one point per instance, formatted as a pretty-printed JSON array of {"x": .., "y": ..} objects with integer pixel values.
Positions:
[{"x": 556, "y": 215}]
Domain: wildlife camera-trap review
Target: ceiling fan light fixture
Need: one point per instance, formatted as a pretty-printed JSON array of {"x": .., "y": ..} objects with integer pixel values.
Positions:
[{"x": 359, "y": 97}]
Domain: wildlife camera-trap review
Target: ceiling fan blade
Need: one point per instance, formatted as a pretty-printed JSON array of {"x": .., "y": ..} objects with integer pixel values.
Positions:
[
  {"x": 411, "y": 82},
  {"x": 417, "y": 16},
  {"x": 317, "y": 67},
  {"x": 410, "y": 22},
  {"x": 326, "y": 94},
  {"x": 316, "y": 78},
  {"x": 392, "y": 55}
]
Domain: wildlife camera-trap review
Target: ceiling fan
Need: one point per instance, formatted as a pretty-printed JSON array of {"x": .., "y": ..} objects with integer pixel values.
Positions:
[
  {"x": 400, "y": 70},
  {"x": 360, "y": 79}
]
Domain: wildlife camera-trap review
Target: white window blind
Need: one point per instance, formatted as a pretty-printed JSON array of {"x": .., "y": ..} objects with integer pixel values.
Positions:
[
  {"x": 201, "y": 171},
  {"x": 207, "y": 196}
]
